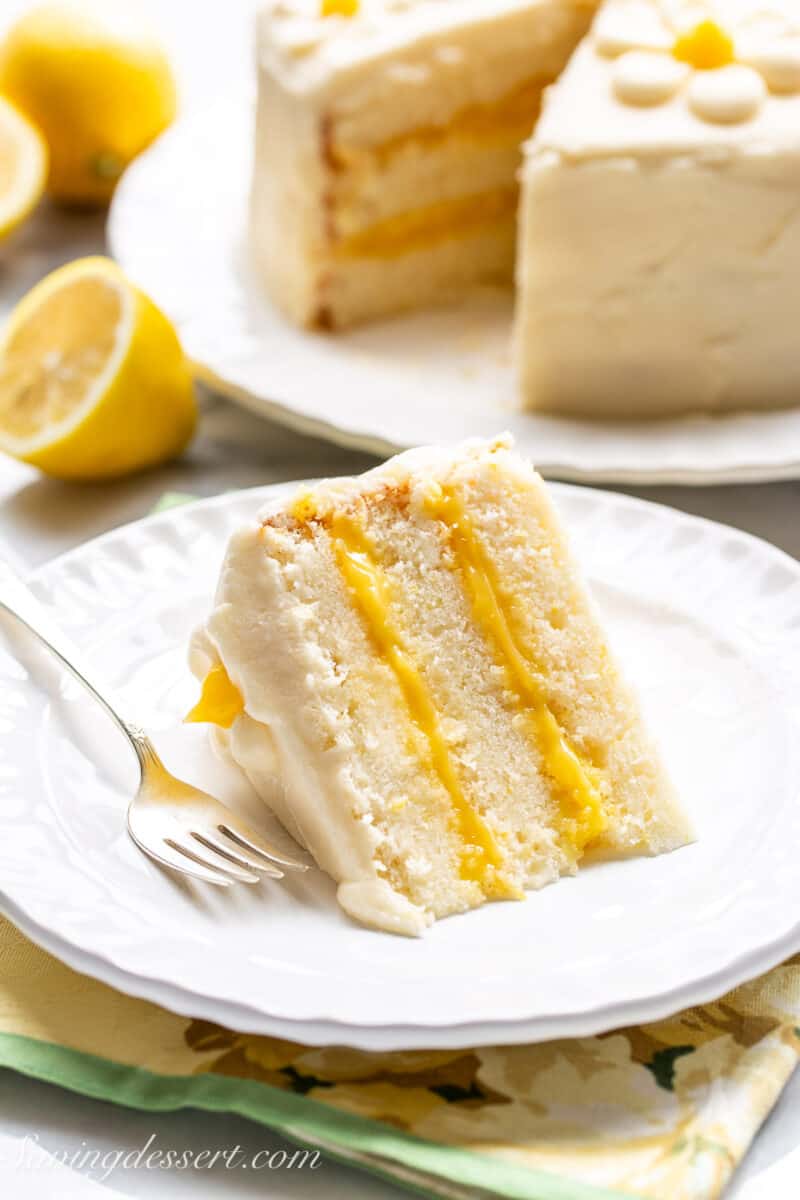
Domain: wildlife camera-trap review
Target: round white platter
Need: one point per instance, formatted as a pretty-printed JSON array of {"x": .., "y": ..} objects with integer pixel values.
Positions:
[
  {"x": 706, "y": 622},
  {"x": 178, "y": 226}
]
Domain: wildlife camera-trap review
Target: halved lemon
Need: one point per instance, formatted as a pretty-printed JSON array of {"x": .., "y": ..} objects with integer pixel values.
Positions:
[
  {"x": 93, "y": 380},
  {"x": 23, "y": 167}
]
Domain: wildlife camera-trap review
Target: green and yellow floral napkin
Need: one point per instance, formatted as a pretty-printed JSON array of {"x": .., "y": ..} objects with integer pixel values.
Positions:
[{"x": 664, "y": 1111}]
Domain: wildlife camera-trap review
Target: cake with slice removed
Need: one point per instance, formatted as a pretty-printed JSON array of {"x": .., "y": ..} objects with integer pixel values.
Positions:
[
  {"x": 388, "y": 137},
  {"x": 409, "y": 669}
]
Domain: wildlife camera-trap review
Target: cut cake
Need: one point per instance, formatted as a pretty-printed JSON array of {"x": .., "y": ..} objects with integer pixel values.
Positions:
[
  {"x": 413, "y": 656},
  {"x": 387, "y": 146}
]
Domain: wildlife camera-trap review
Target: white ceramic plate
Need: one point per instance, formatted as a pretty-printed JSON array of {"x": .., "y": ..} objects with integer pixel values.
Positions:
[
  {"x": 178, "y": 227},
  {"x": 706, "y": 621}
]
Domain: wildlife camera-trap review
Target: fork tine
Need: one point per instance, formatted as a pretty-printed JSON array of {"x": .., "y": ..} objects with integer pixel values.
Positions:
[
  {"x": 176, "y": 860},
  {"x": 248, "y": 839},
  {"x": 237, "y": 852},
  {"x": 193, "y": 849}
]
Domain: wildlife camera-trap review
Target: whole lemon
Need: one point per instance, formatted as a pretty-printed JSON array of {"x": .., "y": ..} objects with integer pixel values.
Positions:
[{"x": 97, "y": 85}]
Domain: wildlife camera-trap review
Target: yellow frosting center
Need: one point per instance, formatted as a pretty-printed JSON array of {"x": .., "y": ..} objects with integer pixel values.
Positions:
[
  {"x": 705, "y": 47},
  {"x": 370, "y": 589},
  {"x": 339, "y": 8},
  {"x": 582, "y": 814},
  {"x": 220, "y": 700}
]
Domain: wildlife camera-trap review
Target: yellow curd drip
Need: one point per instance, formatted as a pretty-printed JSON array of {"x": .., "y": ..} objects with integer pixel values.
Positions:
[
  {"x": 582, "y": 815},
  {"x": 370, "y": 589},
  {"x": 220, "y": 700},
  {"x": 421, "y": 227},
  {"x": 706, "y": 47}
]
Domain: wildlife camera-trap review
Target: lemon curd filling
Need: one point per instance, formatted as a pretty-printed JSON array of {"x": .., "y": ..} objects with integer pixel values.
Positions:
[
  {"x": 220, "y": 700},
  {"x": 582, "y": 817},
  {"x": 421, "y": 227},
  {"x": 509, "y": 119},
  {"x": 582, "y": 814},
  {"x": 369, "y": 587}
]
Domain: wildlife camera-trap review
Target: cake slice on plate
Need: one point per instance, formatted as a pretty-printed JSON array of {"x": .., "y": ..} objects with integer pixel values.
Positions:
[
  {"x": 661, "y": 226},
  {"x": 413, "y": 655},
  {"x": 387, "y": 144}
]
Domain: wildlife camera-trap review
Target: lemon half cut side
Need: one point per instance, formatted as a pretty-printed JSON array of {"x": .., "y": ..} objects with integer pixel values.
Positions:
[
  {"x": 23, "y": 167},
  {"x": 93, "y": 380}
]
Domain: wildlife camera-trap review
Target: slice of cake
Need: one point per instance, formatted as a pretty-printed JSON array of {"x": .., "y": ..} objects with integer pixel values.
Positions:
[
  {"x": 661, "y": 215},
  {"x": 413, "y": 655},
  {"x": 387, "y": 144}
]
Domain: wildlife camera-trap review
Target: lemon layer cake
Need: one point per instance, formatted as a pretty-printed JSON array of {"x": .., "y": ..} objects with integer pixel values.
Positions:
[
  {"x": 413, "y": 656},
  {"x": 661, "y": 222},
  {"x": 387, "y": 145}
]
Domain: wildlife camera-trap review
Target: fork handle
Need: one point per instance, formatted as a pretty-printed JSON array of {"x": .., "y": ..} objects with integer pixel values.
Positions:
[{"x": 17, "y": 599}]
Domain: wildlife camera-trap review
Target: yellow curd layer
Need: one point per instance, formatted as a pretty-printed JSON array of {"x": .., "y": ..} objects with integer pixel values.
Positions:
[
  {"x": 421, "y": 227},
  {"x": 370, "y": 589},
  {"x": 582, "y": 814},
  {"x": 220, "y": 700},
  {"x": 509, "y": 120}
]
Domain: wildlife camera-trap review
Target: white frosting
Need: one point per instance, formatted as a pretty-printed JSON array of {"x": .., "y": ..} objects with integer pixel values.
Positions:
[
  {"x": 306, "y": 786},
  {"x": 308, "y": 50},
  {"x": 727, "y": 96},
  {"x": 400, "y": 472},
  {"x": 619, "y": 29},
  {"x": 628, "y": 61},
  {"x": 777, "y": 60},
  {"x": 589, "y": 113},
  {"x": 643, "y": 78},
  {"x": 374, "y": 903}
]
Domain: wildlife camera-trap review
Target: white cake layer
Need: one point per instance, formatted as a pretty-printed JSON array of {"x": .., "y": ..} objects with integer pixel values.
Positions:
[
  {"x": 660, "y": 245},
  {"x": 369, "y": 193},
  {"x": 368, "y": 288}
]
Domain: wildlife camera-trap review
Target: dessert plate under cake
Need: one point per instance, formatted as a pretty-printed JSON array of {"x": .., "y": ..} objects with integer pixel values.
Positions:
[
  {"x": 178, "y": 226},
  {"x": 704, "y": 620}
]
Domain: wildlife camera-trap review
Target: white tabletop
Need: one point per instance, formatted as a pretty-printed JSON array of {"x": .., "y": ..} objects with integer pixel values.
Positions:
[{"x": 39, "y": 518}]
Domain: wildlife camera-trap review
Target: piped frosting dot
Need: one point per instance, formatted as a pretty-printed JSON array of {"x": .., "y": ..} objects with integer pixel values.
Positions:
[
  {"x": 644, "y": 79},
  {"x": 777, "y": 62},
  {"x": 617, "y": 31},
  {"x": 727, "y": 96}
]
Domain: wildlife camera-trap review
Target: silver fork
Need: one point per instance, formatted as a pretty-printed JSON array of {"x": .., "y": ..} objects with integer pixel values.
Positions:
[{"x": 176, "y": 824}]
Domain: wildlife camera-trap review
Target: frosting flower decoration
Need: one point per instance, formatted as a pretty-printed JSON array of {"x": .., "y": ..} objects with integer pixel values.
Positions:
[{"x": 726, "y": 75}]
